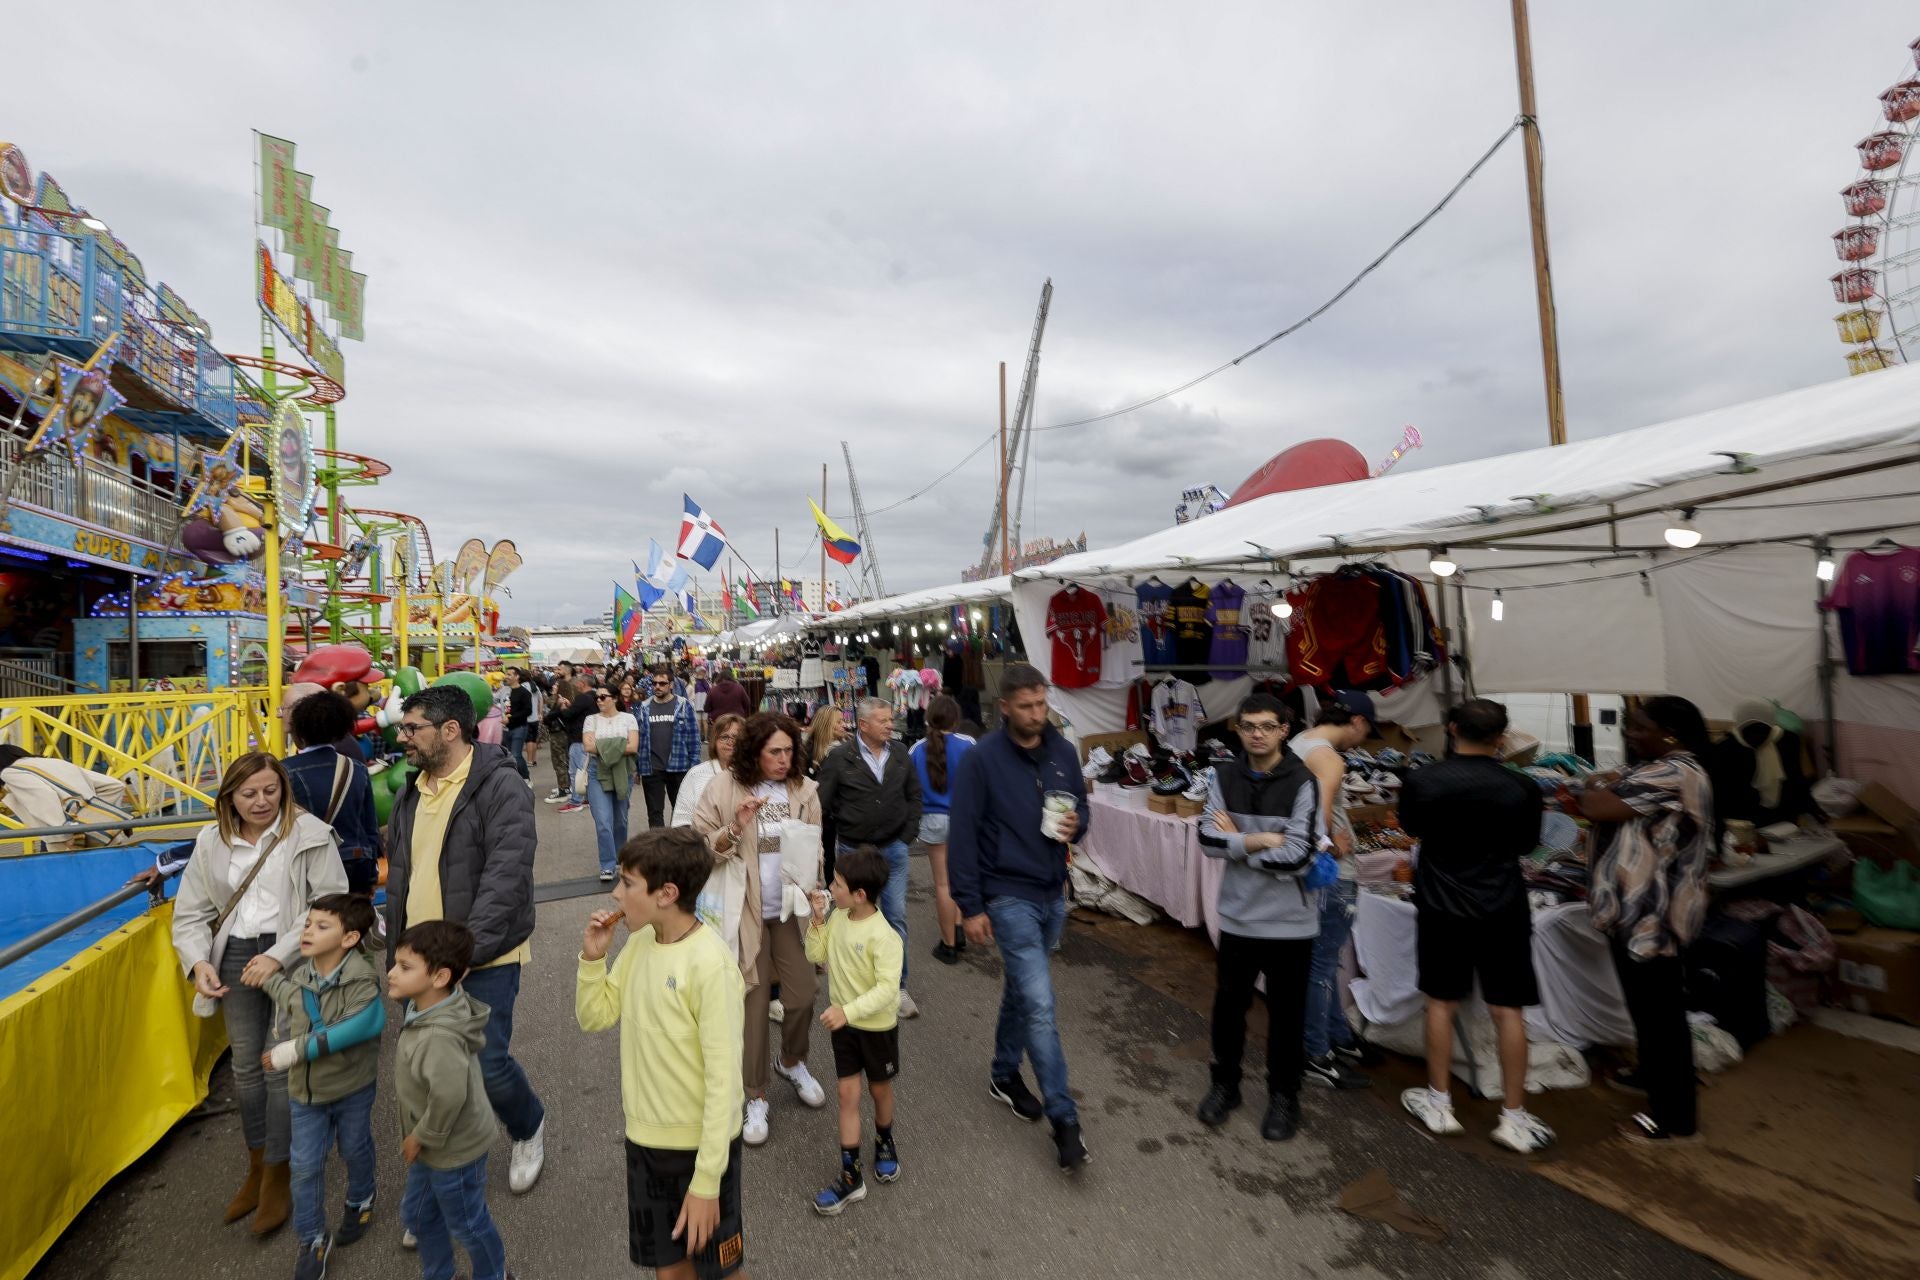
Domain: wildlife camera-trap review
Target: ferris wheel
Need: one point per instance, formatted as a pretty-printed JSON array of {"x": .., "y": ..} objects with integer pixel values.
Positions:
[{"x": 1879, "y": 279}]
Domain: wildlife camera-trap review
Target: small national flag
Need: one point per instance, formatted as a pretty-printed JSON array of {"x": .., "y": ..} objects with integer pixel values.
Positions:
[
  {"x": 745, "y": 595},
  {"x": 688, "y": 603},
  {"x": 626, "y": 617},
  {"x": 840, "y": 544},
  {"x": 661, "y": 577},
  {"x": 726, "y": 598},
  {"x": 701, "y": 540}
]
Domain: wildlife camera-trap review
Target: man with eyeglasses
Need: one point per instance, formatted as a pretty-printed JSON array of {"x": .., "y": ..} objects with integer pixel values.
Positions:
[
  {"x": 669, "y": 745},
  {"x": 1263, "y": 820},
  {"x": 460, "y": 847}
]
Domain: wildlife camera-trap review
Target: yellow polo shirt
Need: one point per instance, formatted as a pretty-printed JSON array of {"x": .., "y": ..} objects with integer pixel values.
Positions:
[{"x": 430, "y": 815}]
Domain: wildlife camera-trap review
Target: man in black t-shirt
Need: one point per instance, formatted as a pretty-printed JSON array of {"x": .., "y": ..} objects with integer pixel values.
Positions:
[{"x": 1476, "y": 819}]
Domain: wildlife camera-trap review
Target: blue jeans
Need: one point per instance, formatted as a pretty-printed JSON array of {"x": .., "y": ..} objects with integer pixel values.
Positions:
[
  {"x": 444, "y": 1205},
  {"x": 893, "y": 898},
  {"x": 1026, "y": 932},
  {"x": 576, "y": 761},
  {"x": 317, "y": 1126},
  {"x": 1326, "y": 1022},
  {"x": 513, "y": 1099},
  {"x": 609, "y": 823},
  {"x": 517, "y": 747},
  {"x": 262, "y": 1094}
]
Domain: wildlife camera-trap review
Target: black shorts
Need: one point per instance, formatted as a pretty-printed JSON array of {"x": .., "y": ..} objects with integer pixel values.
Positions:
[
  {"x": 1499, "y": 948},
  {"x": 657, "y": 1183},
  {"x": 874, "y": 1054}
]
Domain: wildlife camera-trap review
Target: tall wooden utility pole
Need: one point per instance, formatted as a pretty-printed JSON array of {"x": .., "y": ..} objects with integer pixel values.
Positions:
[
  {"x": 1537, "y": 215},
  {"x": 1543, "y": 290},
  {"x": 823, "y": 541},
  {"x": 1006, "y": 564}
]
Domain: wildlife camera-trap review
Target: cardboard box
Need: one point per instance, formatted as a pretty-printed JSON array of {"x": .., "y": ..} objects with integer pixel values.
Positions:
[
  {"x": 1883, "y": 828},
  {"x": 1879, "y": 972}
]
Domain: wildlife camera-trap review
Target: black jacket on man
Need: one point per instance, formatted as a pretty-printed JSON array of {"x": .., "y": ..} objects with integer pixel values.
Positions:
[
  {"x": 862, "y": 810},
  {"x": 486, "y": 862},
  {"x": 519, "y": 706}
]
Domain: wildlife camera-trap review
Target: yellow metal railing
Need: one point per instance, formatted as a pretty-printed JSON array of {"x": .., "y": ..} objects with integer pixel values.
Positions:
[{"x": 169, "y": 748}]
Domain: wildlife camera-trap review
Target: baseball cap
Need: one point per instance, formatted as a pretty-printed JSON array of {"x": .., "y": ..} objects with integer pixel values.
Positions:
[{"x": 1360, "y": 705}]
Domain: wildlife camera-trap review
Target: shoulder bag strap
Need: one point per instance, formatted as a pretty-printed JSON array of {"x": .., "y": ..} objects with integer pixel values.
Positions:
[
  {"x": 342, "y": 775},
  {"x": 241, "y": 892}
]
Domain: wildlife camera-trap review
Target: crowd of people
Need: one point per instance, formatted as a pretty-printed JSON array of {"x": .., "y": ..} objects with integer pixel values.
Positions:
[{"x": 783, "y": 855}]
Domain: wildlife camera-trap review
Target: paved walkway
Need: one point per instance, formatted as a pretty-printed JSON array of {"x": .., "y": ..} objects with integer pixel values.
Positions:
[{"x": 980, "y": 1193}]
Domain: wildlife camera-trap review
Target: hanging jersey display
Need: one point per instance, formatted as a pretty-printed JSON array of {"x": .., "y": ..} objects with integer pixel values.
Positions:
[
  {"x": 1076, "y": 623},
  {"x": 1192, "y": 633},
  {"x": 1155, "y": 607},
  {"x": 1125, "y": 660},
  {"x": 1266, "y": 633},
  {"x": 1877, "y": 596},
  {"x": 1176, "y": 715},
  {"x": 1226, "y": 614}
]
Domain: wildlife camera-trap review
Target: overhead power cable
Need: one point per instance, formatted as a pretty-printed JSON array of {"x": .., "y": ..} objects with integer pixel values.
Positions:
[{"x": 1254, "y": 350}]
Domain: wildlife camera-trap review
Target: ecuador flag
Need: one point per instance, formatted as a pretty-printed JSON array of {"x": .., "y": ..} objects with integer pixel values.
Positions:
[{"x": 839, "y": 544}]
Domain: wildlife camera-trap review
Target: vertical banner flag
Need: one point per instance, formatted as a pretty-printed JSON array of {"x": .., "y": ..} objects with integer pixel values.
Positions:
[
  {"x": 701, "y": 540},
  {"x": 839, "y": 543},
  {"x": 626, "y": 617},
  {"x": 278, "y": 203}
]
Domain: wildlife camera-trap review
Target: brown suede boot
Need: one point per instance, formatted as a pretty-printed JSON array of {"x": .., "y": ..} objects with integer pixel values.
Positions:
[
  {"x": 276, "y": 1199},
  {"x": 247, "y": 1198}
]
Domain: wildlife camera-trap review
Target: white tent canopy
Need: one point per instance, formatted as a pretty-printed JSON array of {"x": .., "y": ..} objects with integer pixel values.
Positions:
[
  {"x": 1572, "y": 537},
  {"x": 915, "y": 602}
]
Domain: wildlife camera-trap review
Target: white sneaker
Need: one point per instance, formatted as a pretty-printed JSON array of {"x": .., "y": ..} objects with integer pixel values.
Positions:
[
  {"x": 754, "y": 1131},
  {"x": 908, "y": 1009},
  {"x": 529, "y": 1157},
  {"x": 1438, "y": 1119},
  {"x": 776, "y": 1011},
  {"x": 803, "y": 1083},
  {"x": 408, "y": 1240},
  {"x": 1525, "y": 1133}
]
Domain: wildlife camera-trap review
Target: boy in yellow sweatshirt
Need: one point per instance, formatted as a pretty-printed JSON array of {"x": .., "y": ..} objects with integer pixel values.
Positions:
[
  {"x": 677, "y": 993},
  {"x": 863, "y": 956}
]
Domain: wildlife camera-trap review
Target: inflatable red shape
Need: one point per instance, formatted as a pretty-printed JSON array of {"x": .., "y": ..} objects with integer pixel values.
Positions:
[{"x": 1307, "y": 465}]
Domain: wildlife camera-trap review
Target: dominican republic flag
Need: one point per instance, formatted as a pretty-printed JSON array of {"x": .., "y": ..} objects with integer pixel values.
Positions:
[
  {"x": 701, "y": 540},
  {"x": 839, "y": 543}
]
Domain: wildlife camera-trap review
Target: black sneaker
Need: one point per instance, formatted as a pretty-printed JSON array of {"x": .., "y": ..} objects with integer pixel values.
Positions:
[
  {"x": 1219, "y": 1101},
  {"x": 1283, "y": 1117},
  {"x": 1073, "y": 1151},
  {"x": 312, "y": 1263},
  {"x": 1330, "y": 1072},
  {"x": 1358, "y": 1054},
  {"x": 946, "y": 954},
  {"x": 1014, "y": 1092},
  {"x": 354, "y": 1223}
]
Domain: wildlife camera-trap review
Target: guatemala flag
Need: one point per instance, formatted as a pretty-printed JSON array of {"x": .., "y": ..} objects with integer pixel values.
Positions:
[{"x": 701, "y": 540}]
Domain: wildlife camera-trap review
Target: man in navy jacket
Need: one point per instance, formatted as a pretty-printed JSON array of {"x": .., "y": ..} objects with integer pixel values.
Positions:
[{"x": 1008, "y": 876}]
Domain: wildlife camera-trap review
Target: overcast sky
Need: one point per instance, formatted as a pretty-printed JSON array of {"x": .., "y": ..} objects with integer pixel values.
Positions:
[{"x": 688, "y": 247}]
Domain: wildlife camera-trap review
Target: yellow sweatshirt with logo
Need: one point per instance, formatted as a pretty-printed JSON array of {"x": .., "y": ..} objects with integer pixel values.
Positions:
[
  {"x": 863, "y": 959},
  {"x": 681, "y": 1009}
]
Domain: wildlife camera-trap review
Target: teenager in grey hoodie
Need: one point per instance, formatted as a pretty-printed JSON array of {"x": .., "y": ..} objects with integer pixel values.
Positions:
[{"x": 1262, "y": 820}]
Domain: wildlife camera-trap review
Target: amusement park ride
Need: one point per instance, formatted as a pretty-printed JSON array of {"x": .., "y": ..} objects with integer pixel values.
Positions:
[{"x": 1879, "y": 280}]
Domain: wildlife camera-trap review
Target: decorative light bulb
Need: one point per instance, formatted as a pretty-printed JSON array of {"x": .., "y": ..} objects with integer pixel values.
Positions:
[
  {"x": 1681, "y": 534},
  {"x": 1440, "y": 566},
  {"x": 1499, "y": 607}
]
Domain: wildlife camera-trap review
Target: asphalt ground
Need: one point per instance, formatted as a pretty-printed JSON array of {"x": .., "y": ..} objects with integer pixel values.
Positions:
[{"x": 980, "y": 1192}]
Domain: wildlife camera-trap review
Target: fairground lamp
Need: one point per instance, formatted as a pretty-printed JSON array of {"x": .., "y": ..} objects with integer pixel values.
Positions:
[
  {"x": 1440, "y": 565},
  {"x": 1499, "y": 607},
  {"x": 1681, "y": 534}
]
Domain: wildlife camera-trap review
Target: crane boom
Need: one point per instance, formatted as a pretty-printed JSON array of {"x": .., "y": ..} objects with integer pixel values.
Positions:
[
  {"x": 869, "y": 562},
  {"x": 1022, "y": 416}
]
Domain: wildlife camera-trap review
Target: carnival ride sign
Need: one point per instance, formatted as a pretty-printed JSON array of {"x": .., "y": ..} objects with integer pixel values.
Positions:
[
  {"x": 294, "y": 318},
  {"x": 292, "y": 468},
  {"x": 16, "y": 175}
]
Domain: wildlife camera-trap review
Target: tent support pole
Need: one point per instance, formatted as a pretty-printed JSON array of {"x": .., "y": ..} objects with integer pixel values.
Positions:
[
  {"x": 1446, "y": 633},
  {"x": 1828, "y": 678}
]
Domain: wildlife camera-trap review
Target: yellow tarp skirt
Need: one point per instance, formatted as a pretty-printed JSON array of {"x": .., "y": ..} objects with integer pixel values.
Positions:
[{"x": 97, "y": 1061}]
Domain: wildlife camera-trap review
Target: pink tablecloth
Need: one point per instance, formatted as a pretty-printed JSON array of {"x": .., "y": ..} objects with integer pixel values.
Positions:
[{"x": 1154, "y": 855}]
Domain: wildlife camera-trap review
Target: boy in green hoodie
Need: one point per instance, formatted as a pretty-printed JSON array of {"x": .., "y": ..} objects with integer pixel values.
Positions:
[
  {"x": 443, "y": 1102},
  {"x": 329, "y": 1003},
  {"x": 677, "y": 993}
]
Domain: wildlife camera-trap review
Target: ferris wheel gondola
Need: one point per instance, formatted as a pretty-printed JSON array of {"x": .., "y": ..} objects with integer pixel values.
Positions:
[{"x": 1879, "y": 251}]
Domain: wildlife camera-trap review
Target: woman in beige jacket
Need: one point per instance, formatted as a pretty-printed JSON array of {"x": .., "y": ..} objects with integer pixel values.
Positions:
[{"x": 740, "y": 814}]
